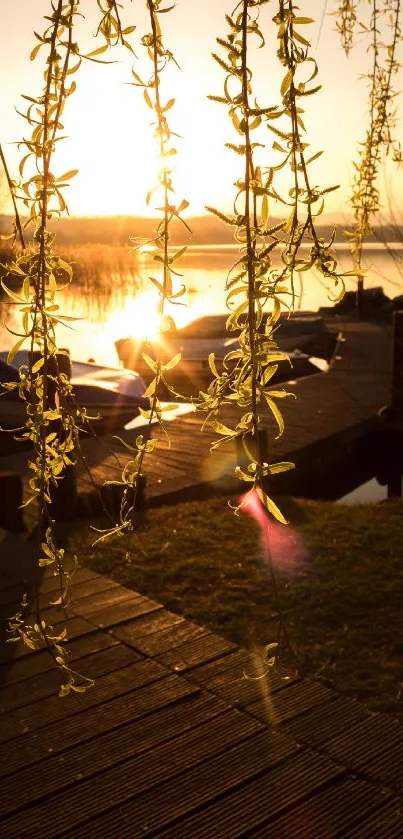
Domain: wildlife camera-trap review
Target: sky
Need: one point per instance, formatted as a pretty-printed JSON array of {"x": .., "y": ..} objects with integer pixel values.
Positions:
[{"x": 109, "y": 138}]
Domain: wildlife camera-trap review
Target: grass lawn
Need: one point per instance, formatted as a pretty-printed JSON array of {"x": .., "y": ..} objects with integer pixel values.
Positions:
[{"x": 340, "y": 578}]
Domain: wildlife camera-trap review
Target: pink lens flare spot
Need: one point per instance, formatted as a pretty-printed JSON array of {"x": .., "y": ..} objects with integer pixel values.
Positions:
[
  {"x": 251, "y": 504},
  {"x": 280, "y": 542}
]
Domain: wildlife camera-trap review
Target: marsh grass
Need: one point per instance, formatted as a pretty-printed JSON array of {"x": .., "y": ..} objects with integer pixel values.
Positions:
[
  {"x": 343, "y": 601},
  {"x": 98, "y": 269}
]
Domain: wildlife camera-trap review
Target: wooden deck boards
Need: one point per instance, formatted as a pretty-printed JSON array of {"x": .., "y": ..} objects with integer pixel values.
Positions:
[{"x": 172, "y": 742}]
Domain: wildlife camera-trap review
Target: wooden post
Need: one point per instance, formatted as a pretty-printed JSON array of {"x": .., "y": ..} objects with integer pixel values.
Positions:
[
  {"x": 360, "y": 295},
  {"x": 11, "y": 502},
  {"x": 395, "y": 485},
  {"x": 396, "y": 403},
  {"x": 397, "y": 371}
]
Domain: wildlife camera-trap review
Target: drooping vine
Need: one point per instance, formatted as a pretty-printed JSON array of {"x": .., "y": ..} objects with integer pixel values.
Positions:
[
  {"x": 52, "y": 417},
  {"x": 346, "y": 23},
  {"x": 50, "y": 425},
  {"x": 165, "y": 264},
  {"x": 253, "y": 279},
  {"x": 380, "y": 135}
]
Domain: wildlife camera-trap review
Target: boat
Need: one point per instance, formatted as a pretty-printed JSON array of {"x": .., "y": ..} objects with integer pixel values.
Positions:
[
  {"x": 308, "y": 344},
  {"x": 214, "y": 326},
  {"x": 112, "y": 397}
]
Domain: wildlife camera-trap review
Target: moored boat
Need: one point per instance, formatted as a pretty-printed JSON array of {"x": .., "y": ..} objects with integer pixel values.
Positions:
[
  {"x": 111, "y": 396},
  {"x": 308, "y": 344}
]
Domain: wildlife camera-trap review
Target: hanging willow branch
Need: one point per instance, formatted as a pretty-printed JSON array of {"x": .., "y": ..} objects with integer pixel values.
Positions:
[
  {"x": 379, "y": 140},
  {"x": 253, "y": 281},
  {"x": 346, "y": 23},
  {"x": 51, "y": 421},
  {"x": 53, "y": 418},
  {"x": 165, "y": 264}
]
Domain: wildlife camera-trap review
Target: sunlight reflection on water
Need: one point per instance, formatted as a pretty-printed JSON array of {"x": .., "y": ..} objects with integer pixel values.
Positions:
[{"x": 108, "y": 310}]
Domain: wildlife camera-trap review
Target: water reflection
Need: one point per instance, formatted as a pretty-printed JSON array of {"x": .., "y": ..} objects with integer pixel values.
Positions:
[{"x": 112, "y": 298}]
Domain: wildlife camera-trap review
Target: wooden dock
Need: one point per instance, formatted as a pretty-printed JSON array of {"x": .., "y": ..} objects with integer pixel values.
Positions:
[
  {"x": 172, "y": 742},
  {"x": 324, "y": 425}
]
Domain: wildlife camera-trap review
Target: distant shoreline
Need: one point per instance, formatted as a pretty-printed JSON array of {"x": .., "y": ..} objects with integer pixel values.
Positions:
[{"x": 207, "y": 231}]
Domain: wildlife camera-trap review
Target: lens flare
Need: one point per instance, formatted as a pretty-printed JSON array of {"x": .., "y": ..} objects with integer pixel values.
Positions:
[{"x": 281, "y": 544}]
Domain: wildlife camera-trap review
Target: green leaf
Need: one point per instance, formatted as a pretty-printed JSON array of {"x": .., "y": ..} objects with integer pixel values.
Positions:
[
  {"x": 219, "y": 428},
  {"x": 11, "y": 293},
  {"x": 168, "y": 105},
  {"x": 242, "y": 476},
  {"x": 149, "y": 361},
  {"x": 282, "y": 466},
  {"x": 64, "y": 690},
  {"x": 98, "y": 51},
  {"x": 213, "y": 368},
  {"x": 35, "y": 51},
  {"x": 276, "y": 413},
  {"x": 271, "y": 506},
  {"x": 172, "y": 363},
  {"x": 151, "y": 388},
  {"x": 38, "y": 364},
  {"x": 68, "y": 175},
  {"x": 285, "y": 84},
  {"x": 14, "y": 350},
  {"x": 280, "y": 394}
]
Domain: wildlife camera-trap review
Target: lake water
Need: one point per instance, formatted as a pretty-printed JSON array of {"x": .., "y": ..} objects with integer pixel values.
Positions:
[{"x": 125, "y": 306}]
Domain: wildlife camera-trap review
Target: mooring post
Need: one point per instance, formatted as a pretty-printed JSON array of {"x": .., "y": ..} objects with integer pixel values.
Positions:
[
  {"x": 396, "y": 403},
  {"x": 397, "y": 370}
]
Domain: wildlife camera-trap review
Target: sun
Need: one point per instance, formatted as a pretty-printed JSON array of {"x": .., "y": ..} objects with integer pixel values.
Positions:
[{"x": 138, "y": 318}]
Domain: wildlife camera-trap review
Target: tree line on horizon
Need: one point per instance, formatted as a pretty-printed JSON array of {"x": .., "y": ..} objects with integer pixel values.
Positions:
[{"x": 206, "y": 230}]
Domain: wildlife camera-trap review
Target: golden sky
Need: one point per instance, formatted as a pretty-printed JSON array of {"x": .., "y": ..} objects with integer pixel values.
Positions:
[{"x": 107, "y": 122}]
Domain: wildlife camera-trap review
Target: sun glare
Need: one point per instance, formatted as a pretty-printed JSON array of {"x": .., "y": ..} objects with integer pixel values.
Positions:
[{"x": 138, "y": 319}]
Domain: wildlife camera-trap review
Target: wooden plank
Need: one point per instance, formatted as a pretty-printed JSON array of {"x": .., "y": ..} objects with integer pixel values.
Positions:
[
  {"x": 206, "y": 646},
  {"x": 386, "y": 768},
  {"x": 103, "y": 599},
  {"x": 80, "y": 590},
  {"x": 225, "y": 678},
  {"x": 357, "y": 747},
  {"x": 292, "y": 702},
  {"x": 40, "y": 714},
  {"x": 81, "y": 728},
  {"x": 50, "y": 581},
  {"x": 133, "y": 631},
  {"x": 38, "y": 687},
  {"x": 24, "y": 668},
  {"x": 163, "y": 642},
  {"x": 387, "y": 824},
  {"x": 133, "y": 777},
  {"x": 256, "y": 811},
  {"x": 109, "y": 749},
  {"x": 139, "y": 813},
  {"x": 331, "y": 813},
  {"x": 244, "y": 768},
  {"x": 323, "y": 723},
  {"x": 123, "y": 611}
]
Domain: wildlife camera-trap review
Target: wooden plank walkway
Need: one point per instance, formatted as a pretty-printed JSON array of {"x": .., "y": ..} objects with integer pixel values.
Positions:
[
  {"x": 331, "y": 409},
  {"x": 172, "y": 742}
]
